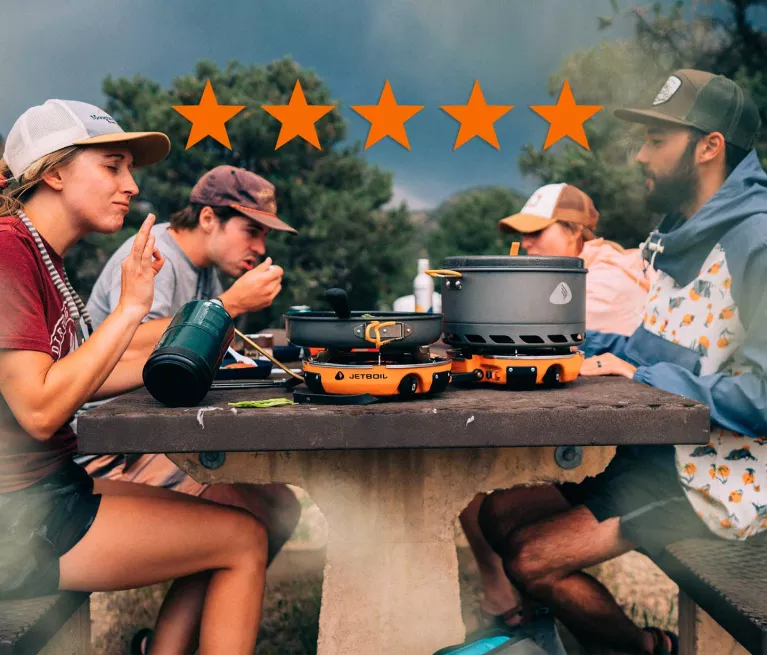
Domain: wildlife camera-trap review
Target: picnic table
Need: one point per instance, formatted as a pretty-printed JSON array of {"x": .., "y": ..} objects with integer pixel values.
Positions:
[{"x": 391, "y": 478}]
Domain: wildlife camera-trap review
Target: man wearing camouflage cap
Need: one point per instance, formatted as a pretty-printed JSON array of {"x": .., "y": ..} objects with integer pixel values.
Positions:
[{"x": 702, "y": 337}]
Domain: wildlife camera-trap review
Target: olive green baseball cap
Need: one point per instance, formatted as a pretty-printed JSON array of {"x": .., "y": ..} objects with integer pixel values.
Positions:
[{"x": 707, "y": 102}]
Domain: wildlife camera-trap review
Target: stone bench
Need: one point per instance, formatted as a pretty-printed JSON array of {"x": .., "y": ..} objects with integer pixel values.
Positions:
[
  {"x": 59, "y": 624},
  {"x": 722, "y": 595}
]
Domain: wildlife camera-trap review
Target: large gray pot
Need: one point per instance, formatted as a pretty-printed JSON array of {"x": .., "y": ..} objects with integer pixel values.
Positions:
[{"x": 513, "y": 303}]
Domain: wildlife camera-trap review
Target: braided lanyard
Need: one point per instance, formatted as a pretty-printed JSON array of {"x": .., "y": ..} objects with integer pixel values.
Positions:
[{"x": 75, "y": 305}]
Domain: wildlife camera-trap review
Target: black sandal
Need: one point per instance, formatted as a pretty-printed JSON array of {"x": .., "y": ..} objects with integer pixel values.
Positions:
[
  {"x": 659, "y": 638},
  {"x": 139, "y": 645}
]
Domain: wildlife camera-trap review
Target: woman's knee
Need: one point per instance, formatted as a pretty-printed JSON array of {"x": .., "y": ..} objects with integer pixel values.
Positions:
[{"x": 245, "y": 539}]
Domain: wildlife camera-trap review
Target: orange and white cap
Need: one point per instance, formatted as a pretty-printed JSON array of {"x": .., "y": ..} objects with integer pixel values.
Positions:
[{"x": 551, "y": 203}]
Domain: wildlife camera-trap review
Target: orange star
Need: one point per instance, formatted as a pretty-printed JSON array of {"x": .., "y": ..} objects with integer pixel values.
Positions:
[
  {"x": 566, "y": 118},
  {"x": 298, "y": 118},
  {"x": 208, "y": 118},
  {"x": 476, "y": 118},
  {"x": 387, "y": 118}
]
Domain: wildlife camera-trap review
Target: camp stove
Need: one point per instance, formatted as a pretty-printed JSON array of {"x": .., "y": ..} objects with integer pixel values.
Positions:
[
  {"x": 361, "y": 376},
  {"x": 526, "y": 369},
  {"x": 514, "y": 321}
]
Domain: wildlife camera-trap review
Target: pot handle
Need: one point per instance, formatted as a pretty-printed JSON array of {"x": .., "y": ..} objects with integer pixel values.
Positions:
[
  {"x": 375, "y": 328},
  {"x": 443, "y": 273}
]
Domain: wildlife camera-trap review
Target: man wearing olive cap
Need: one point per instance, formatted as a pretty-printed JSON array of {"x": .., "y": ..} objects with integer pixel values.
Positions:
[{"x": 703, "y": 337}]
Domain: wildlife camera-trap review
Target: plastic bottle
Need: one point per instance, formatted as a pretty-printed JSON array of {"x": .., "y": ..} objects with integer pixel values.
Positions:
[{"x": 423, "y": 288}]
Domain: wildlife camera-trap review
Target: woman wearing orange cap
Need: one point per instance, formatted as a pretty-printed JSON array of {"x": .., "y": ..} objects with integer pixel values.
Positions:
[
  {"x": 560, "y": 220},
  {"x": 67, "y": 173}
]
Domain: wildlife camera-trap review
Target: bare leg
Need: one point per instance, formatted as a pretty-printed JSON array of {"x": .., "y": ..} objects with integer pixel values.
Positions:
[
  {"x": 177, "y": 628},
  {"x": 546, "y": 560},
  {"x": 197, "y": 537},
  {"x": 502, "y": 512},
  {"x": 275, "y": 505},
  {"x": 499, "y": 596}
]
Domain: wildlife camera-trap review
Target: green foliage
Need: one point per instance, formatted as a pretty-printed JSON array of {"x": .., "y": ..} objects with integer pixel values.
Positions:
[
  {"x": 612, "y": 74},
  {"x": 622, "y": 73},
  {"x": 333, "y": 197},
  {"x": 467, "y": 223}
]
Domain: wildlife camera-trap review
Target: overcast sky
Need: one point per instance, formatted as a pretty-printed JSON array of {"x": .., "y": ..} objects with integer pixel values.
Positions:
[{"x": 430, "y": 50}]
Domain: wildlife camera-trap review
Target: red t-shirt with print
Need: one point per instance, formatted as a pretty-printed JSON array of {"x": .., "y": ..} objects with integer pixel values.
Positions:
[{"x": 33, "y": 316}]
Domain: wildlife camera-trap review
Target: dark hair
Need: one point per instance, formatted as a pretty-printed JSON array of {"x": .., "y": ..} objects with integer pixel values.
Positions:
[
  {"x": 733, "y": 155},
  {"x": 189, "y": 217}
]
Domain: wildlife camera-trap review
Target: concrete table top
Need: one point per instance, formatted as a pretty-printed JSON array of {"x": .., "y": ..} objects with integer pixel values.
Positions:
[{"x": 590, "y": 411}]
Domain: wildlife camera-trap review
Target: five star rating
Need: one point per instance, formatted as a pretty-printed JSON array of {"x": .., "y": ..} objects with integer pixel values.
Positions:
[{"x": 387, "y": 118}]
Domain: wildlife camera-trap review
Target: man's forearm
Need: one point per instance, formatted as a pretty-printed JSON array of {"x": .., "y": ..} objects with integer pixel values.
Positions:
[{"x": 145, "y": 339}]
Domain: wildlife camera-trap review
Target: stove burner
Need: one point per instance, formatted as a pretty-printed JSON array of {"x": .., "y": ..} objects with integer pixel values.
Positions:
[
  {"x": 514, "y": 370},
  {"x": 404, "y": 374}
]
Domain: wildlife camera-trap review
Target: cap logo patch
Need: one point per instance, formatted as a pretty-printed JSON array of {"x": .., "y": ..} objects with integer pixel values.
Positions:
[
  {"x": 533, "y": 202},
  {"x": 104, "y": 117},
  {"x": 669, "y": 89}
]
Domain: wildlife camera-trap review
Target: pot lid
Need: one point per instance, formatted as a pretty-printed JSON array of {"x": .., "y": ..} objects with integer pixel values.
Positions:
[{"x": 516, "y": 261}]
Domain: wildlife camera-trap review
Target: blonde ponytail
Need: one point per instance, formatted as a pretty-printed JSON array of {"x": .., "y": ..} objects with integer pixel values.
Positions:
[{"x": 13, "y": 191}]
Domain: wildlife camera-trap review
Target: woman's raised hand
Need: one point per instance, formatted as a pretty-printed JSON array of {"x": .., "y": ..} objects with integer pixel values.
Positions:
[{"x": 139, "y": 269}]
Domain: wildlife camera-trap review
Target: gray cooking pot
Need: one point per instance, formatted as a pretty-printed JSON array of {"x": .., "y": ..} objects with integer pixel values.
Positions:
[{"x": 515, "y": 302}]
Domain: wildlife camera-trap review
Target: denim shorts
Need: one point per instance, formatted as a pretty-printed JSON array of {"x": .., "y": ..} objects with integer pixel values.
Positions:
[
  {"x": 38, "y": 525},
  {"x": 641, "y": 487}
]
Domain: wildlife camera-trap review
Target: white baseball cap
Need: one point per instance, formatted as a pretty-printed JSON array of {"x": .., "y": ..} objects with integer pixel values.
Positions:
[{"x": 58, "y": 124}]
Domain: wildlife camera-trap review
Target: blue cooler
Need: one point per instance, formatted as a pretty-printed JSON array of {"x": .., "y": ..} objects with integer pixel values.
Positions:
[{"x": 495, "y": 642}]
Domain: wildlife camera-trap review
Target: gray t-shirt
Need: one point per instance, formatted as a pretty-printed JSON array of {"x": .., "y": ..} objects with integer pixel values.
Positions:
[{"x": 178, "y": 282}]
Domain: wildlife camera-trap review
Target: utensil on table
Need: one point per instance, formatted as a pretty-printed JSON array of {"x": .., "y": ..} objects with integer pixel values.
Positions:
[{"x": 254, "y": 345}]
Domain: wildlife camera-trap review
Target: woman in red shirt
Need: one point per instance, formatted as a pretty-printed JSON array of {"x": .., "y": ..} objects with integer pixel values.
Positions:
[{"x": 68, "y": 173}]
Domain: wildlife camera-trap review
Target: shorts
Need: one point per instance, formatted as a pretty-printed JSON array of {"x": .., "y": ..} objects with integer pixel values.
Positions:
[
  {"x": 640, "y": 486},
  {"x": 153, "y": 470},
  {"x": 38, "y": 525}
]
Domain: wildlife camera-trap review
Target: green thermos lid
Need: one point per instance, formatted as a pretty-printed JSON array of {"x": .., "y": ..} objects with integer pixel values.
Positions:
[{"x": 184, "y": 362}]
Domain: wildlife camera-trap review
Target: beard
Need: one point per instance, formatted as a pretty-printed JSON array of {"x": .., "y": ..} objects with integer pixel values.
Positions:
[{"x": 680, "y": 187}]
